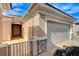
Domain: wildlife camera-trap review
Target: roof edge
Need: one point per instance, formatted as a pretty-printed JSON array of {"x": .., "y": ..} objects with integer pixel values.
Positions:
[
  {"x": 61, "y": 11},
  {"x": 28, "y": 9},
  {"x": 74, "y": 19}
]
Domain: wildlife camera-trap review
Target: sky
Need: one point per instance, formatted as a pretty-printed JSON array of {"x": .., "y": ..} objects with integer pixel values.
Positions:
[
  {"x": 21, "y": 8},
  {"x": 18, "y": 9},
  {"x": 71, "y": 9}
]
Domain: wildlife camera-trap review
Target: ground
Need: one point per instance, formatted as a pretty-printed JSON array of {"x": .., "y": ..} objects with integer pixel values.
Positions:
[{"x": 66, "y": 43}]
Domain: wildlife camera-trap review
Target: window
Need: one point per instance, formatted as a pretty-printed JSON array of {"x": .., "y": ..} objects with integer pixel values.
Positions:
[{"x": 16, "y": 30}]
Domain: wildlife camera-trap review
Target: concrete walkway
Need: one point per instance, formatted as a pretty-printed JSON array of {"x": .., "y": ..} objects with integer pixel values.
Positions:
[{"x": 50, "y": 51}]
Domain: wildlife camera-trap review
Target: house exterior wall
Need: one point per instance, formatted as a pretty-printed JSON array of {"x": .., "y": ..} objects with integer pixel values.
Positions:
[
  {"x": 31, "y": 30},
  {"x": 60, "y": 20},
  {"x": 6, "y": 30},
  {"x": 75, "y": 31},
  {"x": 3, "y": 6},
  {"x": 6, "y": 27},
  {"x": 29, "y": 26},
  {"x": 42, "y": 24},
  {"x": 0, "y": 29},
  {"x": 35, "y": 28}
]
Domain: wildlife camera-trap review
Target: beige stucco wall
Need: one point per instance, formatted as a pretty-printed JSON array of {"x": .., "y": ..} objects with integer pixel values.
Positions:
[
  {"x": 43, "y": 26},
  {"x": 75, "y": 30},
  {"x": 31, "y": 27},
  {"x": 35, "y": 26},
  {"x": 4, "y": 6},
  {"x": 6, "y": 27},
  {"x": 0, "y": 29},
  {"x": 28, "y": 26},
  {"x": 6, "y": 30}
]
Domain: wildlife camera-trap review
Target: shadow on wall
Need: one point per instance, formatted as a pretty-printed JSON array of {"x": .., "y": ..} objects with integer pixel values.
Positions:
[{"x": 36, "y": 31}]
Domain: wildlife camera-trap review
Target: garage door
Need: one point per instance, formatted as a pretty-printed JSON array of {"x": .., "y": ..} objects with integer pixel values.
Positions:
[{"x": 57, "y": 33}]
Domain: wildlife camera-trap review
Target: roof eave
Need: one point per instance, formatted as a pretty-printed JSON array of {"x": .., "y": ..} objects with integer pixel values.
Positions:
[{"x": 74, "y": 19}]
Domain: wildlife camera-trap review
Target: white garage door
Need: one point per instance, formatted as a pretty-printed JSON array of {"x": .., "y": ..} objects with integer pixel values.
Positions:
[{"x": 57, "y": 33}]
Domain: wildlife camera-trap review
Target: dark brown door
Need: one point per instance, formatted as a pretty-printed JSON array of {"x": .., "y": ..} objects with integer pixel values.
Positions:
[{"x": 16, "y": 30}]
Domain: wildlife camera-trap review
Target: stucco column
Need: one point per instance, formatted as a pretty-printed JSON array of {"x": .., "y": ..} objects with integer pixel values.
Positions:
[
  {"x": 34, "y": 47},
  {"x": 3, "y": 6},
  {"x": 1, "y": 25},
  {"x": 6, "y": 29},
  {"x": 71, "y": 34}
]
